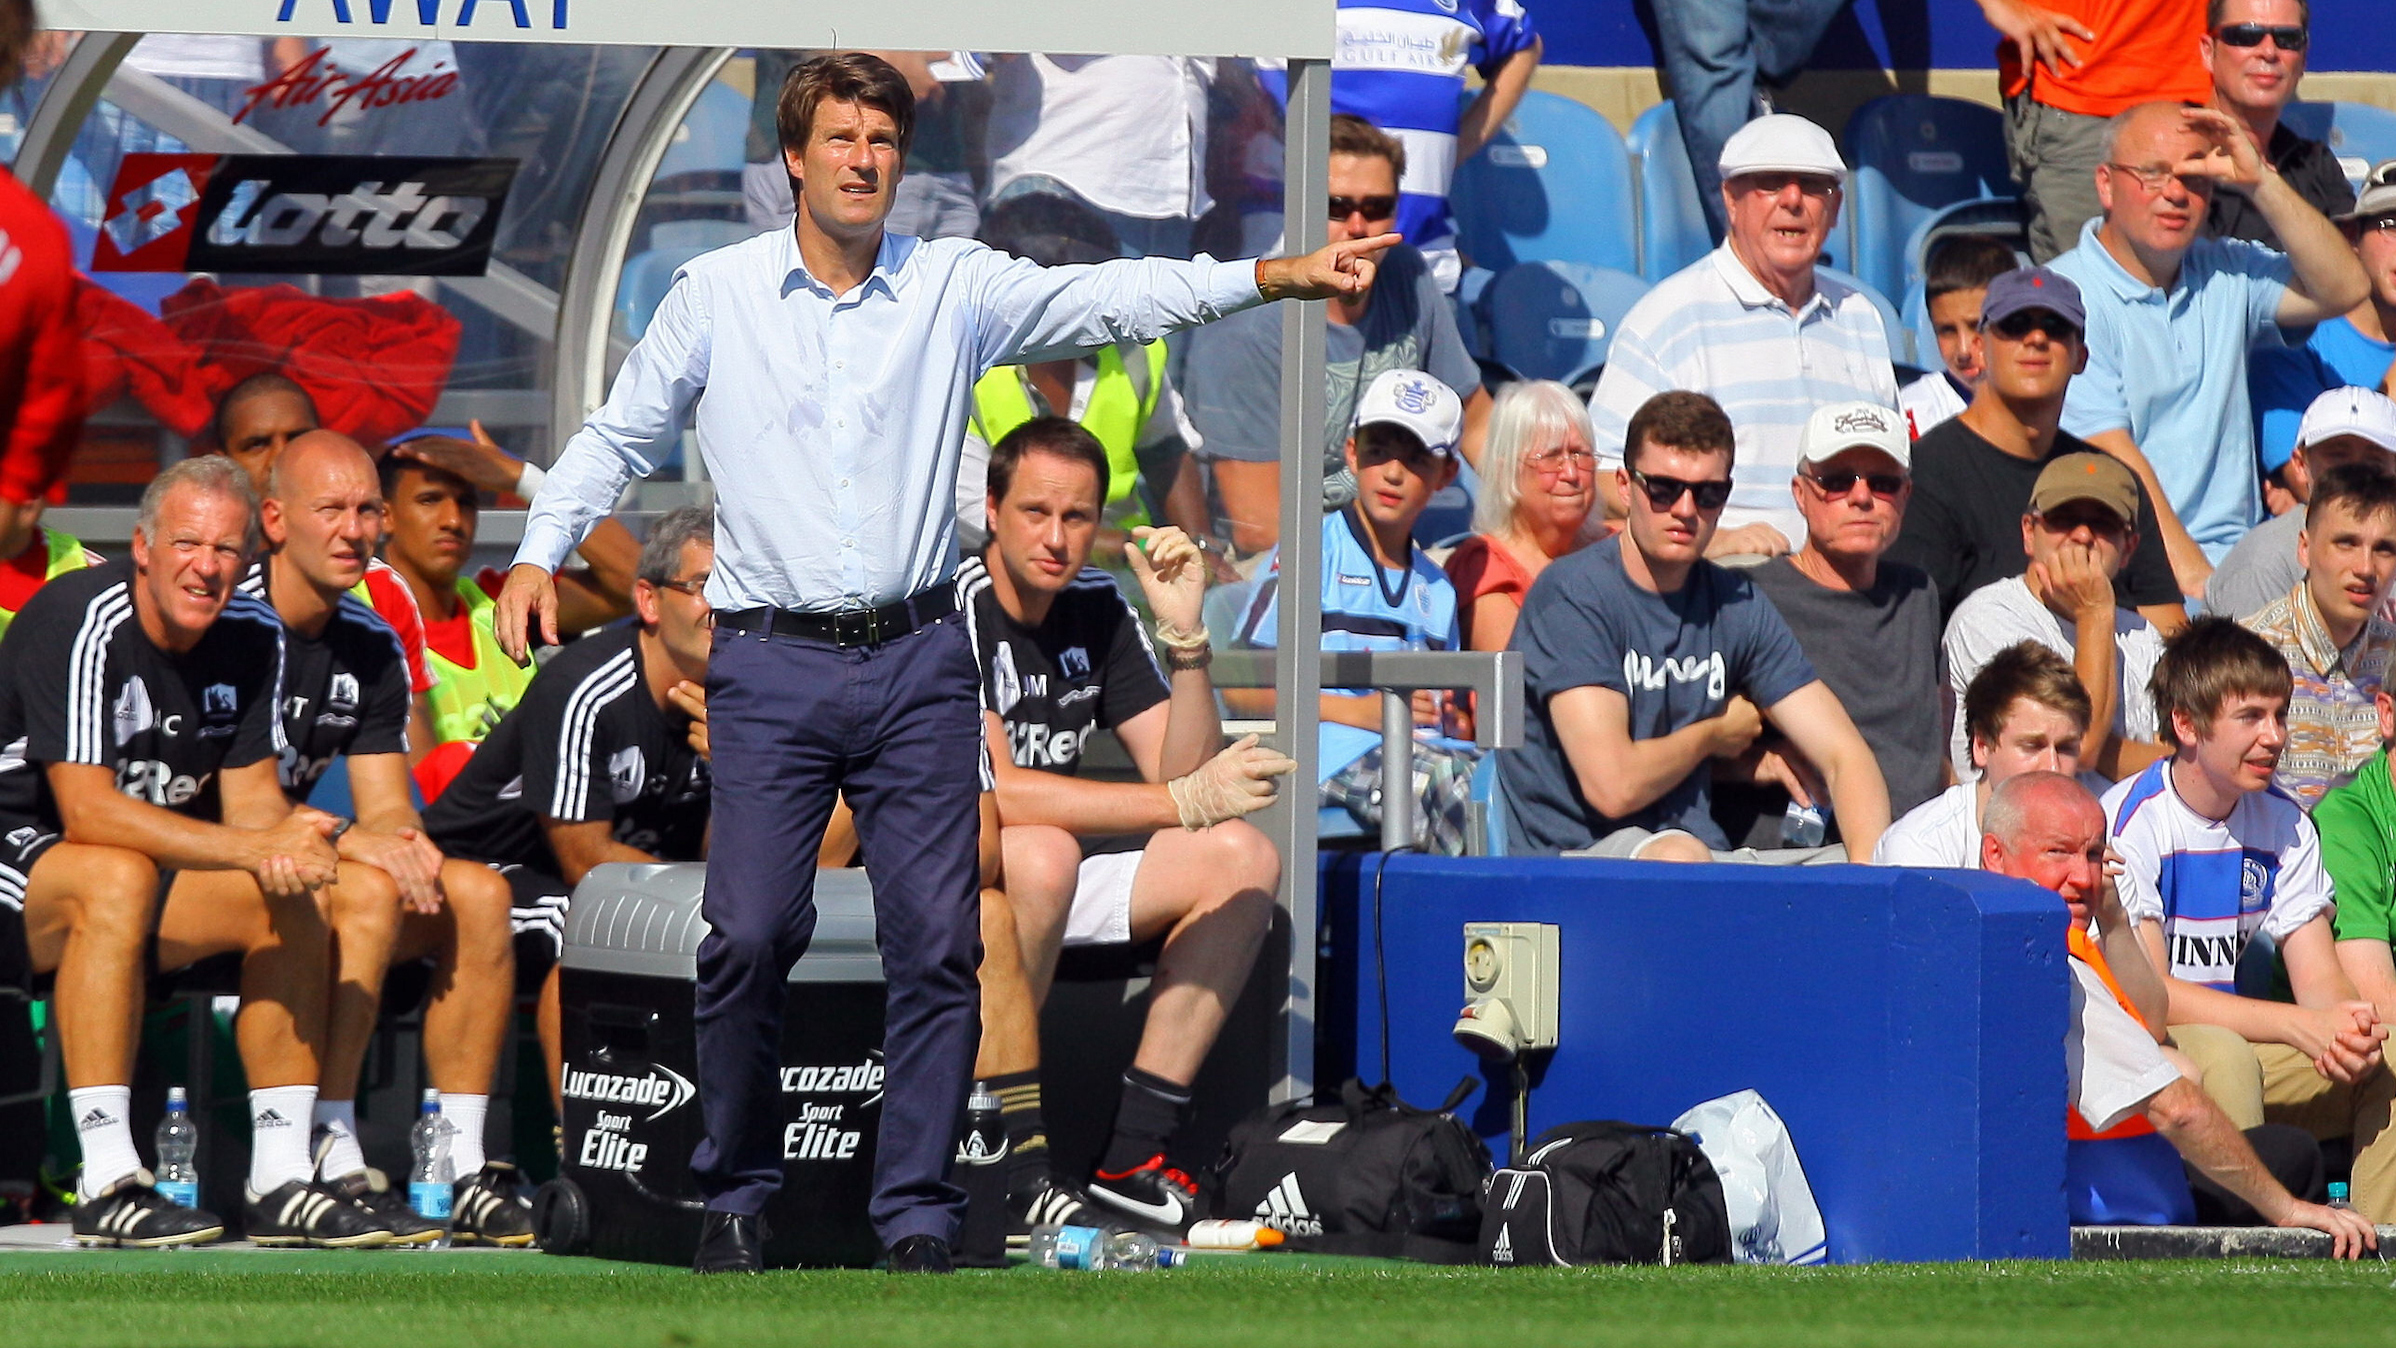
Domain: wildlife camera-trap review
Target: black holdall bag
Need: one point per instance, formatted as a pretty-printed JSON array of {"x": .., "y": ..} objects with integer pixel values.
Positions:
[
  {"x": 1607, "y": 1193},
  {"x": 1367, "y": 1174}
]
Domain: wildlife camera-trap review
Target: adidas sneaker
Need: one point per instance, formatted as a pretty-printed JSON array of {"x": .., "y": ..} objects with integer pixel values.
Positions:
[
  {"x": 305, "y": 1213},
  {"x": 1153, "y": 1194},
  {"x": 131, "y": 1214},
  {"x": 487, "y": 1208},
  {"x": 370, "y": 1192},
  {"x": 1053, "y": 1202}
]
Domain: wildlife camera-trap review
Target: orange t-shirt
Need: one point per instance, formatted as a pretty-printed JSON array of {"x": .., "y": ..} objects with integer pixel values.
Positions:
[
  {"x": 2145, "y": 51},
  {"x": 2077, "y": 941}
]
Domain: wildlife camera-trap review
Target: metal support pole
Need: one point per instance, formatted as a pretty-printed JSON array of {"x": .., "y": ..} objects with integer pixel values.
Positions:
[
  {"x": 1297, "y": 681},
  {"x": 1397, "y": 770}
]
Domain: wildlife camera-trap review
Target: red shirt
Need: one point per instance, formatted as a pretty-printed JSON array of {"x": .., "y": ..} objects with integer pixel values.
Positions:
[
  {"x": 390, "y": 597},
  {"x": 41, "y": 356}
]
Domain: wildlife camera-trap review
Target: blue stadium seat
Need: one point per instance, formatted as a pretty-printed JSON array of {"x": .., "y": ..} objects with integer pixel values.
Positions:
[
  {"x": 2359, "y": 134},
  {"x": 1554, "y": 184},
  {"x": 648, "y": 273},
  {"x": 1913, "y": 154},
  {"x": 714, "y": 138},
  {"x": 1672, "y": 228},
  {"x": 1556, "y": 320},
  {"x": 1995, "y": 217}
]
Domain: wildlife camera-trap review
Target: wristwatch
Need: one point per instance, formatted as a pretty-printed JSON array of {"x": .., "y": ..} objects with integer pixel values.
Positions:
[{"x": 340, "y": 826}]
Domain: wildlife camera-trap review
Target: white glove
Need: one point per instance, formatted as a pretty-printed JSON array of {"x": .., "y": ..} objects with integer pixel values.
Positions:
[
  {"x": 1172, "y": 574},
  {"x": 1234, "y": 783}
]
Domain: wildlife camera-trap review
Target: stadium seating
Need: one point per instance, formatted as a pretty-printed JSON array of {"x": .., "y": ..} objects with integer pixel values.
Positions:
[
  {"x": 1554, "y": 184},
  {"x": 713, "y": 137},
  {"x": 2359, "y": 134},
  {"x": 648, "y": 273},
  {"x": 1996, "y": 217},
  {"x": 1912, "y": 155},
  {"x": 1556, "y": 320},
  {"x": 1672, "y": 227}
]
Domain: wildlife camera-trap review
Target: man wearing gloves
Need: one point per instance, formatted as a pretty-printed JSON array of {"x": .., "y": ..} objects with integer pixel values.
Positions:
[{"x": 1064, "y": 654}]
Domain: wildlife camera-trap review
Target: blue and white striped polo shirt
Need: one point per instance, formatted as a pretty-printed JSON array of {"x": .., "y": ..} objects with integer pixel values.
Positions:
[
  {"x": 2213, "y": 883},
  {"x": 1713, "y": 328}
]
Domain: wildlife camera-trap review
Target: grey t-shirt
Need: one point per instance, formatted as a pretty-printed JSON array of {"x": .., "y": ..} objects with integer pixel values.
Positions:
[
  {"x": 1878, "y": 651},
  {"x": 2261, "y": 568},
  {"x": 1677, "y": 657},
  {"x": 1231, "y": 381}
]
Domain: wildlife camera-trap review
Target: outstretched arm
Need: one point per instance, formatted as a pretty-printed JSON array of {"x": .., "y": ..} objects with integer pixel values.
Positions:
[{"x": 1818, "y": 725}]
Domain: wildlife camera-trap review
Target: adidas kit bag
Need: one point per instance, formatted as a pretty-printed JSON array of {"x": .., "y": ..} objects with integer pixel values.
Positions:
[
  {"x": 1368, "y": 1174},
  {"x": 1607, "y": 1193}
]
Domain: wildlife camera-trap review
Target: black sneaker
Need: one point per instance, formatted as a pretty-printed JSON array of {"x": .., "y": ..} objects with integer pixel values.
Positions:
[
  {"x": 305, "y": 1213},
  {"x": 370, "y": 1192},
  {"x": 132, "y": 1215},
  {"x": 489, "y": 1208},
  {"x": 1053, "y": 1202},
  {"x": 1153, "y": 1194}
]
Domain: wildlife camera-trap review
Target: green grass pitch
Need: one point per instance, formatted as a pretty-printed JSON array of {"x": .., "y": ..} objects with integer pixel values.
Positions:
[{"x": 423, "y": 1300}]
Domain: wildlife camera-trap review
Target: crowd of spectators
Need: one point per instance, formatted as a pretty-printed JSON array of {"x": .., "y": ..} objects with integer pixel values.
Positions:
[{"x": 1772, "y": 606}]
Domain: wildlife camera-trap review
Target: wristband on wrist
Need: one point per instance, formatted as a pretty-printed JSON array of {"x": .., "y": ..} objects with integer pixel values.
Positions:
[
  {"x": 1184, "y": 660},
  {"x": 529, "y": 480}
]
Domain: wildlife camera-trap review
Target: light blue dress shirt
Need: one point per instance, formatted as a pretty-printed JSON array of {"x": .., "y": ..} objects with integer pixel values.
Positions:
[
  {"x": 832, "y": 424},
  {"x": 2169, "y": 367}
]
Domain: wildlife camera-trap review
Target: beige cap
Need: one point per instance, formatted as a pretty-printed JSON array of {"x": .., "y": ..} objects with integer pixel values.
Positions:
[{"x": 2087, "y": 477}]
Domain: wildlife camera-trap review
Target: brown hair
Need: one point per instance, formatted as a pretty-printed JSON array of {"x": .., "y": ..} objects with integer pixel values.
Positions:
[
  {"x": 2365, "y": 489},
  {"x": 17, "y": 27},
  {"x": 1061, "y": 436},
  {"x": 843, "y": 77},
  {"x": 2022, "y": 671},
  {"x": 1356, "y": 136},
  {"x": 2211, "y": 661},
  {"x": 1966, "y": 262},
  {"x": 1681, "y": 420}
]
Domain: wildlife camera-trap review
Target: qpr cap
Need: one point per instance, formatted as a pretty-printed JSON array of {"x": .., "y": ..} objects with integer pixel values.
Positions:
[
  {"x": 2350, "y": 411},
  {"x": 2378, "y": 195},
  {"x": 2033, "y": 288},
  {"x": 1782, "y": 142},
  {"x": 1842, "y": 426},
  {"x": 1416, "y": 401},
  {"x": 2087, "y": 477}
]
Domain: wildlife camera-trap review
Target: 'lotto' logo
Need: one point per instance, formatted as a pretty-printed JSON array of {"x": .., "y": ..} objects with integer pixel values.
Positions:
[{"x": 333, "y": 215}]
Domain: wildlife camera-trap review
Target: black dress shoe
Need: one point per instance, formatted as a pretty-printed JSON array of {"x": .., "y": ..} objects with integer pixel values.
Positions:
[
  {"x": 731, "y": 1242},
  {"x": 921, "y": 1254}
]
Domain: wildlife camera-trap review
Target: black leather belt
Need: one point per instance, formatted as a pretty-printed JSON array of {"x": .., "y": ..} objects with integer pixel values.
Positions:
[{"x": 847, "y": 627}]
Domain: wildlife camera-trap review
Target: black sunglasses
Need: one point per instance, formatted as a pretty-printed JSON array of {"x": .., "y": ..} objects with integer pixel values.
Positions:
[
  {"x": 1839, "y": 483},
  {"x": 1664, "y": 492},
  {"x": 2289, "y": 36},
  {"x": 2014, "y": 327},
  {"x": 1374, "y": 208}
]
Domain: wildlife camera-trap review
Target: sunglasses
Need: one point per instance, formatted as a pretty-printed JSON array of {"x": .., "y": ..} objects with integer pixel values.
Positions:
[
  {"x": 1374, "y": 208},
  {"x": 1839, "y": 483},
  {"x": 2289, "y": 36},
  {"x": 2014, "y": 327},
  {"x": 1664, "y": 492}
]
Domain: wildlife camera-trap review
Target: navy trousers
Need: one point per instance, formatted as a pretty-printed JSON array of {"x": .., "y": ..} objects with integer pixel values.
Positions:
[{"x": 896, "y": 727}]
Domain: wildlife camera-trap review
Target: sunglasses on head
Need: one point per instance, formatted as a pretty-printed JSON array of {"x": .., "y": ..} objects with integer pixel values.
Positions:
[
  {"x": 2289, "y": 36},
  {"x": 1374, "y": 208},
  {"x": 1839, "y": 482},
  {"x": 1664, "y": 492},
  {"x": 2015, "y": 326}
]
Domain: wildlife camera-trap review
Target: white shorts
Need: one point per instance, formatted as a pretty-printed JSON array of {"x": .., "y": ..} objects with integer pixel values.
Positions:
[{"x": 1101, "y": 913}]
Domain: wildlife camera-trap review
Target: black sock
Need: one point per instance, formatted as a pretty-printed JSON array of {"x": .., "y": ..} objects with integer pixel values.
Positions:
[
  {"x": 1027, "y": 1136},
  {"x": 1145, "y": 1121}
]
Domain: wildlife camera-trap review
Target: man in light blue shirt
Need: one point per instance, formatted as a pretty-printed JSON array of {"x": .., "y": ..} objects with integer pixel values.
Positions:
[
  {"x": 831, "y": 370},
  {"x": 2171, "y": 316}
]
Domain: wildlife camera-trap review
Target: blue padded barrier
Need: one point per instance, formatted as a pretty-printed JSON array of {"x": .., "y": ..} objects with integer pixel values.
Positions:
[
  {"x": 1907, "y": 1024},
  {"x": 1554, "y": 183}
]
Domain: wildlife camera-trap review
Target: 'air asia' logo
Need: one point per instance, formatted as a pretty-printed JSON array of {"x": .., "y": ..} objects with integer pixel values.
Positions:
[
  {"x": 332, "y": 215},
  {"x": 314, "y": 79}
]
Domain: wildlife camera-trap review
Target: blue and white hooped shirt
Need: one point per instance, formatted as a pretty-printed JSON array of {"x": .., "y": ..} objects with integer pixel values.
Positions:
[{"x": 2212, "y": 884}]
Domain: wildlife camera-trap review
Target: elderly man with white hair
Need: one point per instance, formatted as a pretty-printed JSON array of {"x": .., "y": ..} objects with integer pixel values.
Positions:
[{"x": 1756, "y": 325}]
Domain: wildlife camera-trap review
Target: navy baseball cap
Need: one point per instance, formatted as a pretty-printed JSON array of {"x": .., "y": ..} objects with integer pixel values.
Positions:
[{"x": 2033, "y": 288}]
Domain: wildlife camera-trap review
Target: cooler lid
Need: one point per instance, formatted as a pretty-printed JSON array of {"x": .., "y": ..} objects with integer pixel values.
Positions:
[{"x": 644, "y": 920}]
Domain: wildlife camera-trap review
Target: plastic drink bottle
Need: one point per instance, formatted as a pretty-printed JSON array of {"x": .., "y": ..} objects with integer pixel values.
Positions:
[
  {"x": 1135, "y": 1251},
  {"x": 2337, "y": 1195},
  {"x": 431, "y": 1177},
  {"x": 1220, "y": 1234},
  {"x": 178, "y": 1142},
  {"x": 1066, "y": 1247}
]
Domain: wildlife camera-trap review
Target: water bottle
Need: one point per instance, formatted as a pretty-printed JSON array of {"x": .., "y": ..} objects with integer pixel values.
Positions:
[
  {"x": 1804, "y": 825},
  {"x": 1138, "y": 1252},
  {"x": 985, "y": 1141},
  {"x": 1065, "y": 1247},
  {"x": 178, "y": 1143},
  {"x": 431, "y": 1176},
  {"x": 2337, "y": 1195},
  {"x": 1221, "y": 1234}
]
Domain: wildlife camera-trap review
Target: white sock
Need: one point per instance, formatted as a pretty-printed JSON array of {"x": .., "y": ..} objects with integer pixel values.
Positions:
[
  {"x": 279, "y": 1119},
  {"x": 104, "y": 1125},
  {"x": 465, "y": 1113},
  {"x": 339, "y": 1119}
]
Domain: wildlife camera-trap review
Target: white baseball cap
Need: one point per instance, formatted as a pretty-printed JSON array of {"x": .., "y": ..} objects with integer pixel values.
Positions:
[
  {"x": 1842, "y": 426},
  {"x": 1782, "y": 142},
  {"x": 1416, "y": 401},
  {"x": 2350, "y": 411}
]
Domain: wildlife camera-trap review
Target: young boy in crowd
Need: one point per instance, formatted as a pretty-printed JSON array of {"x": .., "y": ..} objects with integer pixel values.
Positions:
[
  {"x": 2025, "y": 711},
  {"x": 2212, "y": 857},
  {"x": 1383, "y": 593},
  {"x": 1961, "y": 266}
]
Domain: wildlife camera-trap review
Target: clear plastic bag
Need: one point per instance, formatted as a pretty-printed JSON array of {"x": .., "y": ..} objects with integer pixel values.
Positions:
[{"x": 1773, "y": 1218}]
